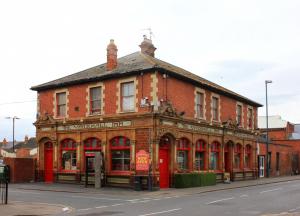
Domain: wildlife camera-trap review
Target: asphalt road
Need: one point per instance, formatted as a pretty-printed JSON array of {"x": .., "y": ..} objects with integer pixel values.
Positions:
[{"x": 257, "y": 200}]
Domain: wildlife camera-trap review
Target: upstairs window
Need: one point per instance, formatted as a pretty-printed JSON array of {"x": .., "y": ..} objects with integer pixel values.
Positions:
[
  {"x": 95, "y": 100},
  {"x": 61, "y": 104},
  {"x": 250, "y": 118},
  {"x": 127, "y": 95},
  {"x": 239, "y": 114},
  {"x": 215, "y": 108},
  {"x": 200, "y": 105}
]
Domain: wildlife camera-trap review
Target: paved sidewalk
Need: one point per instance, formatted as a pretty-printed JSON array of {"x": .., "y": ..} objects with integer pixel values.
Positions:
[
  {"x": 75, "y": 188},
  {"x": 32, "y": 209}
]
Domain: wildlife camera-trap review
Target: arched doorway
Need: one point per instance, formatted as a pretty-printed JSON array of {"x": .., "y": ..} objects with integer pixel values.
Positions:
[
  {"x": 164, "y": 161},
  {"x": 48, "y": 155}
]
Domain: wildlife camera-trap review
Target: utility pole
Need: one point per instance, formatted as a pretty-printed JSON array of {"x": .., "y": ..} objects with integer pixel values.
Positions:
[{"x": 13, "y": 118}]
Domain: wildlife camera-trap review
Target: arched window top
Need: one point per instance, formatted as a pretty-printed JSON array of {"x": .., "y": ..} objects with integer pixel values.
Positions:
[
  {"x": 48, "y": 145},
  {"x": 68, "y": 144},
  {"x": 238, "y": 148},
  {"x": 92, "y": 144},
  {"x": 215, "y": 146},
  {"x": 200, "y": 145},
  {"x": 183, "y": 144},
  {"x": 248, "y": 149},
  {"x": 120, "y": 142}
]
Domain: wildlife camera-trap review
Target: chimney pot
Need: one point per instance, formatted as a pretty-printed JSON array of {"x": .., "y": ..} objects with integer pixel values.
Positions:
[
  {"x": 111, "y": 55},
  {"x": 147, "y": 47}
]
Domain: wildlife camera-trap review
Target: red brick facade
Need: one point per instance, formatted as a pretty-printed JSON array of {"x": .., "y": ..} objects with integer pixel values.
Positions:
[{"x": 163, "y": 118}]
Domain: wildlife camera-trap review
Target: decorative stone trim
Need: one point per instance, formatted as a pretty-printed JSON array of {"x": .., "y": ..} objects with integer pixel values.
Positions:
[
  {"x": 242, "y": 114},
  {"x": 55, "y": 102},
  {"x": 199, "y": 90},
  {"x": 219, "y": 105},
  {"x": 135, "y": 83},
  {"x": 154, "y": 88},
  {"x": 38, "y": 109},
  {"x": 88, "y": 111}
]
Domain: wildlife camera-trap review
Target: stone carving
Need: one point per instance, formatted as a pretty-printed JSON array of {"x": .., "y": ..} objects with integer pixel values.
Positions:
[
  {"x": 45, "y": 119},
  {"x": 166, "y": 108},
  {"x": 231, "y": 124}
]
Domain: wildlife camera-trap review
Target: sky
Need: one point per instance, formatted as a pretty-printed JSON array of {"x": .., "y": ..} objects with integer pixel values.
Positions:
[{"x": 238, "y": 44}]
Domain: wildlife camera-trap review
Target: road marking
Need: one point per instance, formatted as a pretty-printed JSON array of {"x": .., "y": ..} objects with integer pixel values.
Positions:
[
  {"x": 98, "y": 207},
  {"x": 133, "y": 200},
  {"x": 266, "y": 191},
  {"x": 220, "y": 200},
  {"x": 118, "y": 204},
  {"x": 244, "y": 195},
  {"x": 144, "y": 201},
  {"x": 86, "y": 209},
  {"x": 294, "y": 209},
  {"x": 155, "y": 213},
  {"x": 100, "y": 198}
]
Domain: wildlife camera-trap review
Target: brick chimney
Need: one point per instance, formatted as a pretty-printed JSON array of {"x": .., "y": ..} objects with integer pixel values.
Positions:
[
  {"x": 147, "y": 47},
  {"x": 4, "y": 141},
  {"x": 26, "y": 139},
  {"x": 111, "y": 56}
]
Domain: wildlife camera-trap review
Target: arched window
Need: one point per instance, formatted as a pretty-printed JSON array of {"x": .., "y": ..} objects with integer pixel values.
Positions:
[
  {"x": 214, "y": 155},
  {"x": 237, "y": 156},
  {"x": 200, "y": 149},
  {"x": 92, "y": 144},
  {"x": 120, "y": 153},
  {"x": 68, "y": 155},
  {"x": 248, "y": 156},
  {"x": 183, "y": 148}
]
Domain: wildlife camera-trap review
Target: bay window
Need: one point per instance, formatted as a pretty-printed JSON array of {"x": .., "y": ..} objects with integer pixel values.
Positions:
[
  {"x": 237, "y": 156},
  {"x": 68, "y": 155},
  {"x": 214, "y": 156},
  {"x": 183, "y": 148},
  {"x": 200, "y": 150},
  {"x": 120, "y": 154},
  {"x": 248, "y": 156}
]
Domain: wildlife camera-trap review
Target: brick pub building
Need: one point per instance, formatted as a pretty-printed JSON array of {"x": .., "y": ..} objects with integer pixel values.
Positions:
[{"x": 140, "y": 105}]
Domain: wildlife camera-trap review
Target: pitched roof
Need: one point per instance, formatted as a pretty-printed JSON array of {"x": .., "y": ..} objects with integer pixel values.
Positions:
[{"x": 134, "y": 63}]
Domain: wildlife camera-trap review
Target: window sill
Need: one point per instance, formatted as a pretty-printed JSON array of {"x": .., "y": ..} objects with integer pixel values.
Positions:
[
  {"x": 116, "y": 172},
  {"x": 94, "y": 114},
  {"x": 129, "y": 111}
]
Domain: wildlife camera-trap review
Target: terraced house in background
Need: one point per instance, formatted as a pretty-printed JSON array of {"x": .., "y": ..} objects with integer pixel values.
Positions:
[{"x": 139, "y": 105}]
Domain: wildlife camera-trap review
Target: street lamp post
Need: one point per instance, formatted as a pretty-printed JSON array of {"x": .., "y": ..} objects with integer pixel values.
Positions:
[
  {"x": 267, "y": 128},
  {"x": 13, "y": 118}
]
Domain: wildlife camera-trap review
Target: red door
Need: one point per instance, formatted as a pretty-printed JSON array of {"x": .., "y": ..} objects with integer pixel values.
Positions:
[
  {"x": 48, "y": 162},
  {"x": 164, "y": 168}
]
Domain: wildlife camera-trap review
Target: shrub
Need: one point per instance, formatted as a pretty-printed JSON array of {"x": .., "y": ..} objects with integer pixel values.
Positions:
[{"x": 186, "y": 180}]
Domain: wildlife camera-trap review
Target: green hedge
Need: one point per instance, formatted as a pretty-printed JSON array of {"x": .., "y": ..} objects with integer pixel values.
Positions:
[{"x": 185, "y": 180}]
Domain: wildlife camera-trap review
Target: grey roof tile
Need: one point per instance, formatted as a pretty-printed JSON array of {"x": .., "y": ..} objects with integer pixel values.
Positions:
[{"x": 136, "y": 62}]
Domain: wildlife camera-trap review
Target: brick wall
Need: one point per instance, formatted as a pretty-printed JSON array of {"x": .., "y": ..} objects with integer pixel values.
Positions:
[
  {"x": 21, "y": 169},
  {"x": 180, "y": 93}
]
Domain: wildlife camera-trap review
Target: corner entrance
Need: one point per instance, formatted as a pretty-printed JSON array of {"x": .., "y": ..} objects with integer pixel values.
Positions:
[
  {"x": 48, "y": 162},
  {"x": 164, "y": 168}
]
